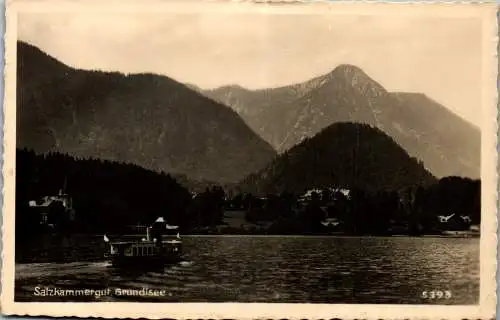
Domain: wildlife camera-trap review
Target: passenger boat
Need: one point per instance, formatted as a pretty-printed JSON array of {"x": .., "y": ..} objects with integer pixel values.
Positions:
[{"x": 160, "y": 246}]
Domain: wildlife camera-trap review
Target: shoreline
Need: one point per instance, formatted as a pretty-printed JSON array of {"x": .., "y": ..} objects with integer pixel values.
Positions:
[{"x": 196, "y": 235}]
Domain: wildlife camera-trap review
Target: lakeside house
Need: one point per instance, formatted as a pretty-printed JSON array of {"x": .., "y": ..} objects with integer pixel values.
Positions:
[
  {"x": 50, "y": 209},
  {"x": 466, "y": 219},
  {"x": 331, "y": 222},
  {"x": 317, "y": 192},
  {"x": 445, "y": 219},
  {"x": 454, "y": 222}
]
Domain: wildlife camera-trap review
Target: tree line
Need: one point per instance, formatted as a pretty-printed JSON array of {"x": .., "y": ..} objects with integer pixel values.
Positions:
[
  {"x": 109, "y": 196},
  {"x": 412, "y": 211}
]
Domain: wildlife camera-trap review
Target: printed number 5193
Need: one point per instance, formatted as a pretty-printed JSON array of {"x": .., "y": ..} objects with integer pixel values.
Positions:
[{"x": 436, "y": 294}]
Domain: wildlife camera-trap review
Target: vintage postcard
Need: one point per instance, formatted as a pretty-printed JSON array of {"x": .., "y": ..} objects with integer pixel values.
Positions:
[{"x": 193, "y": 159}]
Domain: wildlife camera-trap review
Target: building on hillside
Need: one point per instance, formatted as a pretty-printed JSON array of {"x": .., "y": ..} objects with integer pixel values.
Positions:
[
  {"x": 445, "y": 219},
  {"x": 454, "y": 222},
  {"x": 331, "y": 192},
  {"x": 53, "y": 209},
  {"x": 331, "y": 222}
]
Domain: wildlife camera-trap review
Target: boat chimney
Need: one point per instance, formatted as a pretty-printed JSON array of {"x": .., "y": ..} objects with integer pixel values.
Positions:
[{"x": 148, "y": 234}]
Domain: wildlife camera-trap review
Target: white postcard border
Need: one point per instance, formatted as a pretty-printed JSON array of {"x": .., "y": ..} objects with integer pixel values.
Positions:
[{"x": 488, "y": 241}]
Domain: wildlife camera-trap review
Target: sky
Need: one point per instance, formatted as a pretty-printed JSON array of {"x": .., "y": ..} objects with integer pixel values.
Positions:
[{"x": 440, "y": 57}]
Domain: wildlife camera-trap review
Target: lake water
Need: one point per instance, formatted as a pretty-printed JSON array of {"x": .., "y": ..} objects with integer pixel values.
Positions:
[{"x": 280, "y": 269}]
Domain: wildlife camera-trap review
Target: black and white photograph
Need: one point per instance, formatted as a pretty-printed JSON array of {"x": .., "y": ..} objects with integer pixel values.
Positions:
[{"x": 251, "y": 156}]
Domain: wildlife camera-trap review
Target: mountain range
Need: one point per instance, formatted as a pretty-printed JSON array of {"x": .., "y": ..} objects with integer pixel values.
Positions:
[
  {"x": 149, "y": 120},
  {"x": 284, "y": 116},
  {"x": 270, "y": 140},
  {"x": 348, "y": 155}
]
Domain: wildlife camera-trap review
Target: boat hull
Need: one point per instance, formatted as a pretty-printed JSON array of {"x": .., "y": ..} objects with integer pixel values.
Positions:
[{"x": 144, "y": 254}]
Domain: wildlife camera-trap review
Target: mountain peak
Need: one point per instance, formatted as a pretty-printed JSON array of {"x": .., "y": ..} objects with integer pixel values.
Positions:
[
  {"x": 348, "y": 69},
  {"x": 357, "y": 78},
  {"x": 427, "y": 130},
  {"x": 344, "y": 154}
]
